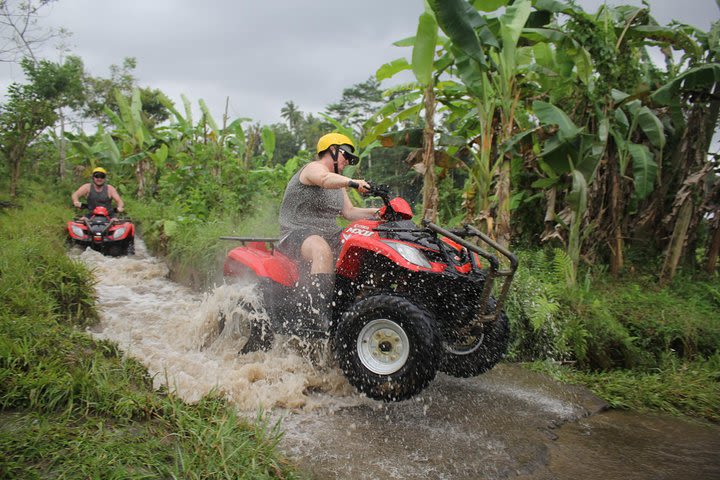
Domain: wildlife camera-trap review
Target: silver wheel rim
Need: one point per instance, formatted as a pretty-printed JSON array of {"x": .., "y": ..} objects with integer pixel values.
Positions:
[
  {"x": 456, "y": 349},
  {"x": 383, "y": 346}
]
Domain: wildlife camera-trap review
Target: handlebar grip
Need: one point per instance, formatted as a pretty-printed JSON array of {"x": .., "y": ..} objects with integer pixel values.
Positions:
[{"x": 353, "y": 184}]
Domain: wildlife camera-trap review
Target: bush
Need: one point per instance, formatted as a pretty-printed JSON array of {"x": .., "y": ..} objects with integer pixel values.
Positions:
[{"x": 608, "y": 323}]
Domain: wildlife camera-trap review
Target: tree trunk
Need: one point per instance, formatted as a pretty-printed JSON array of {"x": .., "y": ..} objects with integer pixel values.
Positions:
[
  {"x": 714, "y": 248},
  {"x": 677, "y": 241},
  {"x": 502, "y": 223},
  {"x": 140, "y": 177},
  {"x": 430, "y": 191},
  {"x": 15, "y": 157},
  {"x": 14, "y": 176},
  {"x": 616, "y": 240},
  {"x": 61, "y": 146}
]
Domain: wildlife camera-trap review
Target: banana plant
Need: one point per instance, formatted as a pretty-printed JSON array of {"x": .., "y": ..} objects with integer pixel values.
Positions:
[
  {"x": 421, "y": 97},
  {"x": 134, "y": 137},
  {"x": 488, "y": 68},
  {"x": 569, "y": 152}
]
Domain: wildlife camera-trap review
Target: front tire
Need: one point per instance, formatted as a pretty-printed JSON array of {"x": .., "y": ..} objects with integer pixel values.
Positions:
[
  {"x": 387, "y": 347},
  {"x": 477, "y": 352}
]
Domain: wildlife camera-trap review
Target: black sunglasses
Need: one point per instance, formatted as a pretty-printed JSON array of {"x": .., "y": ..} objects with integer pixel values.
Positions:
[
  {"x": 99, "y": 175},
  {"x": 349, "y": 155}
]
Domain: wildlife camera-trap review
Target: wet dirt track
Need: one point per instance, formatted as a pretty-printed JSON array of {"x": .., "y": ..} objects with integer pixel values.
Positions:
[{"x": 508, "y": 423}]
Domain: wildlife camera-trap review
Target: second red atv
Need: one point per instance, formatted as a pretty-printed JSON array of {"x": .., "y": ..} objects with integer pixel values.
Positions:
[
  {"x": 102, "y": 233},
  {"x": 409, "y": 300}
]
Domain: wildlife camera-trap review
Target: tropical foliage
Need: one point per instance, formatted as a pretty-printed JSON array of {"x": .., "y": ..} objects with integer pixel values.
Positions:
[{"x": 582, "y": 139}]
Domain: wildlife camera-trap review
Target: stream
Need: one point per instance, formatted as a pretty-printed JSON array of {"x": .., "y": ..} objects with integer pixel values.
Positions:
[{"x": 507, "y": 423}]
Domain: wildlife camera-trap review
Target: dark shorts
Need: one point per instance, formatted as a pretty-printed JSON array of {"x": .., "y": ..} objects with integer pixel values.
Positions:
[{"x": 291, "y": 244}]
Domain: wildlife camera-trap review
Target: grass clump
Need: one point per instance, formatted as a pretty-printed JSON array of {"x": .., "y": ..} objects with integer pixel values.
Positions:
[
  {"x": 689, "y": 388},
  {"x": 74, "y": 407}
]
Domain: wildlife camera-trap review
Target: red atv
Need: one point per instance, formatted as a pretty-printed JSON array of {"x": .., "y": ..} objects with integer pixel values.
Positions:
[
  {"x": 102, "y": 233},
  {"x": 409, "y": 300}
]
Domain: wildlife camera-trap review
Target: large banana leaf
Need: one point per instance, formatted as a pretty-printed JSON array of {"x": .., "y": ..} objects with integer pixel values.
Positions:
[
  {"x": 268, "y": 141},
  {"x": 459, "y": 20},
  {"x": 112, "y": 149},
  {"x": 700, "y": 78},
  {"x": 235, "y": 128},
  {"x": 652, "y": 127},
  {"x": 577, "y": 198},
  {"x": 549, "y": 114},
  {"x": 423, "y": 52},
  {"x": 670, "y": 35},
  {"x": 511, "y": 25},
  {"x": 188, "y": 109},
  {"x": 644, "y": 169},
  {"x": 513, "y": 21},
  {"x": 389, "y": 69},
  {"x": 208, "y": 117},
  {"x": 159, "y": 156},
  {"x": 489, "y": 5},
  {"x": 167, "y": 103}
]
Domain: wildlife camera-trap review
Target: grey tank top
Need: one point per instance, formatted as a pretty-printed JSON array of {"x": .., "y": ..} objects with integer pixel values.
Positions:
[
  {"x": 310, "y": 208},
  {"x": 98, "y": 199}
]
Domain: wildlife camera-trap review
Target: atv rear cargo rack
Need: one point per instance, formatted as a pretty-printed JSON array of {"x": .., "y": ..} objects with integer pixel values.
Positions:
[
  {"x": 494, "y": 271},
  {"x": 245, "y": 240}
]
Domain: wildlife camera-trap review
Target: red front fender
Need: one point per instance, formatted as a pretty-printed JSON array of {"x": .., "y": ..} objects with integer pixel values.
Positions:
[{"x": 357, "y": 245}]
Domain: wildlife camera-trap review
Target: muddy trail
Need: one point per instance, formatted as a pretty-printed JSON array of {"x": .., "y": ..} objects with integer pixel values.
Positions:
[{"x": 508, "y": 423}]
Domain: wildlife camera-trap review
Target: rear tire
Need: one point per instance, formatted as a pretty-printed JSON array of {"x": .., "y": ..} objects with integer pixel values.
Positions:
[
  {"x": 473, "y": 354},
  {"x": 387, "y": 347},
  {"x": 248, "y": 325}
]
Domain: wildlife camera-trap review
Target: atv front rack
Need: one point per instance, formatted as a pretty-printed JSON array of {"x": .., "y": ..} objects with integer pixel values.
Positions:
[{"x": 494, "y": 271}]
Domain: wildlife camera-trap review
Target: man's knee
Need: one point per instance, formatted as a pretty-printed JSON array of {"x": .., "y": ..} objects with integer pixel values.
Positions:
[{"x": 316, "y": 250}]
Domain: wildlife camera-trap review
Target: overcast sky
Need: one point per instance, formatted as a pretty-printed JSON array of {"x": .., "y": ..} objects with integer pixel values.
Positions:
[{"x": 260, "y": 54}]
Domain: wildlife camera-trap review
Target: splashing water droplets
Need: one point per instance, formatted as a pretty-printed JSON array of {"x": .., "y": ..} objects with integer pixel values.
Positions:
[{"x": 191, "y": 341}]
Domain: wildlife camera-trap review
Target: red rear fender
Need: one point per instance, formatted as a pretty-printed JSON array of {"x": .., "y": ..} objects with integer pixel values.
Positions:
[{"x": 264, "y": 263}]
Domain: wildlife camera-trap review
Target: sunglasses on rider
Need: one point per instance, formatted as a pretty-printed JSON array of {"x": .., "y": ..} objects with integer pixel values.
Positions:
[
  {"x": 99, "y": 175},
  {"x": 351, "y": 158}
]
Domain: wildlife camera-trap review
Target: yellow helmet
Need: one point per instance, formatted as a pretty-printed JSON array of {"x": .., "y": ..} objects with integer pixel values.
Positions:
[
  {"x": 343, "y": 143},
  {"x": 333, "y": 138},
  {"x": 99, "y": 170}
]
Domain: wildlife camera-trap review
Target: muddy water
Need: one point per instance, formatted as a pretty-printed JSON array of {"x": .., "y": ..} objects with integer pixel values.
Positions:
[{"x": 509, "y": 423}]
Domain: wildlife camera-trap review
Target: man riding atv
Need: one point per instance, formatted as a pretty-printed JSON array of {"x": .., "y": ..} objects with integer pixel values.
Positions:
[
  {"x": 313, "y": 199},
  {"x": 98, "y": 193}
]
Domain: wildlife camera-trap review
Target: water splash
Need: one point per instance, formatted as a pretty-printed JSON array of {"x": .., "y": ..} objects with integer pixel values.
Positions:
[{"x": 175, "y": 333}]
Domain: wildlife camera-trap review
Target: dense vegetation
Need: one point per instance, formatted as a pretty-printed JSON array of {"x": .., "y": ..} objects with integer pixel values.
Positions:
[{"x": 555, "y": 130}]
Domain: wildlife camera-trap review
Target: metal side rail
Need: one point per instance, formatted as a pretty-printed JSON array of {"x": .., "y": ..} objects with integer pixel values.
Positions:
[
  {"x": 246, "y": 240},
  {"x": 492, "y": 273},
  {"x": 251, "y": 239}
]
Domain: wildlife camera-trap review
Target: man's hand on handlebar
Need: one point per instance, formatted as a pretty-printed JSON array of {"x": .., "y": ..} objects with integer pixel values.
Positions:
[
  {"x": 360, "y": 185},
  {"x": 77, "y": 204}
]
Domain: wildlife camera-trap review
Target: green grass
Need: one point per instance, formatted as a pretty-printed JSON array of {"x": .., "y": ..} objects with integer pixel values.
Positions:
[
  {"x": 690, "y": 388},
  {"x": 74, "y": 407},
  {"x": 192, "y": 247}
]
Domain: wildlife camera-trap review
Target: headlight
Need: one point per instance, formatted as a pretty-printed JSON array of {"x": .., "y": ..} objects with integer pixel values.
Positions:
[
  {"x": 77, "y": 231},
  {"x": 411, "y": 254},
  {"x": 119, "y": 232}
]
